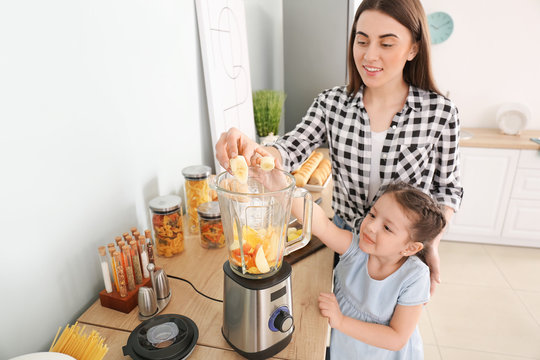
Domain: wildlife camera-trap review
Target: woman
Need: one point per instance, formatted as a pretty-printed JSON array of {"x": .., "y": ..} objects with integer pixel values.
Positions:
[{"x": 389, "y": 123}]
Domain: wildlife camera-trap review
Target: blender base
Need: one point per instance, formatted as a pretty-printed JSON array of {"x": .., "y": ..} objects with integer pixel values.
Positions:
[
  {"x": 257, "y": 314},
  {"x": 264, "y": 354}
]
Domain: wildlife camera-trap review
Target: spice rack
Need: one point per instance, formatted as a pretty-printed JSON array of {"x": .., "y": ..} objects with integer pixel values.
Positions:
[
  {"x": 129, "y": 258},
  {"x": 114, "y": 301}
]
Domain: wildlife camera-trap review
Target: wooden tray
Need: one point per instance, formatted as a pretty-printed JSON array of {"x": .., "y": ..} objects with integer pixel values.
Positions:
[{"x": 124, "y": 304}]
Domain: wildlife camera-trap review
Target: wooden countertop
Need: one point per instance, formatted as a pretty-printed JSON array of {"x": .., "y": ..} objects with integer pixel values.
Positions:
[
  {"x": 494, "y": 138},
  {"x": 203, "y": 268},
  {"x": 116, "y": 339}
]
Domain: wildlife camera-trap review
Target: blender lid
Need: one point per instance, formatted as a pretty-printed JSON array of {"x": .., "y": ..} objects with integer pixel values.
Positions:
[
  {"x": 196, "y": 172},
  {"x": 209, "y": 210},
  {"x": 165, "y": 203},
  {"x": 163, "y": 337}
]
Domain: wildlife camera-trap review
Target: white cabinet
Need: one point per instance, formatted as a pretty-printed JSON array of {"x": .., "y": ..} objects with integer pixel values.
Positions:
[{"x": 501, "y": 203}]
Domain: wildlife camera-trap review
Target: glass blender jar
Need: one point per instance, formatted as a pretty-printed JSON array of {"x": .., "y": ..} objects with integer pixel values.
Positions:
[{"x": 255, "y": 218}]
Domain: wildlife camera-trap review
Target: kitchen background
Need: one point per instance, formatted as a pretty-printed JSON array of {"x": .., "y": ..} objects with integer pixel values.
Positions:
[{"x": 103, "y": 103}]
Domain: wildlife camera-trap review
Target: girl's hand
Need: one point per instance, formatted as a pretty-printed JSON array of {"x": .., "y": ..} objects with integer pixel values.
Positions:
[
  {"x": 233, "y": 143},
  {"x": 330, "y": 308}
]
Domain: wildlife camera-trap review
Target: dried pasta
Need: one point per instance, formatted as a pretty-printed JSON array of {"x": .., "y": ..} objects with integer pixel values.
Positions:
[
  {"x": 197, "y": 192},
  {"x": 74, "y": 343}
]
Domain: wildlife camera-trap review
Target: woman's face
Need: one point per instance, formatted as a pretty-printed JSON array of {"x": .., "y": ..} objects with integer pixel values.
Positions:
[{"x": 382, "y": 47}]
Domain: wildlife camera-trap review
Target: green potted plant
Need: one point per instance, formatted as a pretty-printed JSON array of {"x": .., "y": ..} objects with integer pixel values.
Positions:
[{"x": 267, "y": 108}]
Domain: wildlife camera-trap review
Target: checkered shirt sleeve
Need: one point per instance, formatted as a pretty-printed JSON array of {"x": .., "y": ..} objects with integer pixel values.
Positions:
[{"x": 421, "y": 148}]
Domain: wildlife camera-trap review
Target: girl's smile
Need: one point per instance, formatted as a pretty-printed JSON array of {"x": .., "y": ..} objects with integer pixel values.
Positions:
[{"x": 367, "y": 239}]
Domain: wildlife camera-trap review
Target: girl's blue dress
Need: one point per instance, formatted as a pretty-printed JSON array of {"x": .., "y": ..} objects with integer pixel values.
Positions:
[{"x": 363, "y": 298}]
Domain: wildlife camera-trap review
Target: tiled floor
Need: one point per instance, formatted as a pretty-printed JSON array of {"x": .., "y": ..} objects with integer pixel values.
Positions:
[{"x": 488, "y": 305}]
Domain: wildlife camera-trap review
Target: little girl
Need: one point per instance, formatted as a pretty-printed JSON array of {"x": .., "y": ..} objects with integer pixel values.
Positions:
[{"x": 380, "y": 285}]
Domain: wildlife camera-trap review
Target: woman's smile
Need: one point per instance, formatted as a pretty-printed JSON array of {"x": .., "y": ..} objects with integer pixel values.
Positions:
[{"x": 372, "y": 70}]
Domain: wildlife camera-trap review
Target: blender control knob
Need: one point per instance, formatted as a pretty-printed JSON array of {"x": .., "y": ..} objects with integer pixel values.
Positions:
[{"x": 283, "y": 321}]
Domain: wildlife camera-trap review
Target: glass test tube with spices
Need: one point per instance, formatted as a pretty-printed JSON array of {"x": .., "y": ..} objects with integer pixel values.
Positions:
[
  {"x": 126, "y": 254},
  {"x": 112, "y": 249},
  {"x": 120, "y": 274},
  {"x": 136, "y": 262},
  {"x": 105, "y": 269},
  {"x": 211, "y": 228},
  {"x": 144, "y": 257},
  {"x": 197, "y": 192},
  {"x": 167, "y": 223},
  {"x": 148, "y": 236}
]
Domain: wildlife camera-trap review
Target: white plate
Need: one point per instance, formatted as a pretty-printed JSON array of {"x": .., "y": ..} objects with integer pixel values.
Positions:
[
  {"x": 44, "y": 356},
  {"x": 512, "y": 118},
  {"x": 318, "y": 188}
]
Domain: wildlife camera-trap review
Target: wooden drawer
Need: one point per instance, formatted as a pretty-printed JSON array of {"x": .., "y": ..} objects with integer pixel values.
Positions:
[
  {"x": 527, "y": 185},
  {"x": 529, "y": 159}
]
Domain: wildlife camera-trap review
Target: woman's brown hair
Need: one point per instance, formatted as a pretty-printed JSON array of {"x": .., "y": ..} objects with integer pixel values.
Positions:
[
  {"x": 409, "y": 13},
  {"x": 426, "y": 215}
]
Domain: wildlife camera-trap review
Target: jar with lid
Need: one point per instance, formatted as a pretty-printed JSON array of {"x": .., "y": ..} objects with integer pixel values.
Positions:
[
  {"x": 212, "y": 236},
  {"x": 167, "y": 224},
  {"x": 197, "y": 192}
]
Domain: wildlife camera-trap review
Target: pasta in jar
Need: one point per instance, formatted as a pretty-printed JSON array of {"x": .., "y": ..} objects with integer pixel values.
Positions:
[
  {"x": 212, "y": 236},
  {"x": 167, "y": 225},
  {"x": 197, "y": 192}
]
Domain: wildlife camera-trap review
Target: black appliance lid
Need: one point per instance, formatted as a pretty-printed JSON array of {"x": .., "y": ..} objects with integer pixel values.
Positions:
[{"x": 163, "y": 337}]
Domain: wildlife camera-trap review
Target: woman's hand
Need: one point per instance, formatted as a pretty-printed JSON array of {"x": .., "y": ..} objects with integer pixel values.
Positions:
[
  {"x": 329, "y": 308},
  {"x": 233, "y": 143},
  {"x": 434, "y": 262}
]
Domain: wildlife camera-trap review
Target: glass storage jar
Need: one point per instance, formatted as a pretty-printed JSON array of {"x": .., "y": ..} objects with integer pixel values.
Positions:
[
  {"x": 197, "y": 192},
  {"x": 212, "y": 236},
  {"x": 167, "y": 224}
]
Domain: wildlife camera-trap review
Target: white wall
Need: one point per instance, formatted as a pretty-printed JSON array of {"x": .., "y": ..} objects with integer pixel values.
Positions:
[
  {"x": 491, "y": 58},
  {"x": 264, "y": 20},
  {"x": 101, "y": 106}
]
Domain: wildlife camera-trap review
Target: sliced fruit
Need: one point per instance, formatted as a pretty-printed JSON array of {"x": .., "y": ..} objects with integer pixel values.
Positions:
[
  {"x": 235, "y": 245},
  {"x": 293, "y": 235},
  {"x": 239, "y": 168},
  {"x": 267, "y": 163},
  {"x": 290, "y": 230},
  {"x": 260, "y": 261}
]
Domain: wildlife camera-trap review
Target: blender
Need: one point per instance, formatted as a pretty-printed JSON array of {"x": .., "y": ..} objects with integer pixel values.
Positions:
[{"x": 257, "y": 300}]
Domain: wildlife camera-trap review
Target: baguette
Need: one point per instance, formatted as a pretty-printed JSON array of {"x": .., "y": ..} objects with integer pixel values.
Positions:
[
  {"x": 303, "y": 174},
  {"x": 321, "y": 173}
]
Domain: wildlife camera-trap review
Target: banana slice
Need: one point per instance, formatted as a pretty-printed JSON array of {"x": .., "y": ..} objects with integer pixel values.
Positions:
[
  {"x": 261, "y": 262},
  {"x": 267, "y": 163},
  {"x": 239, "y": 168}
]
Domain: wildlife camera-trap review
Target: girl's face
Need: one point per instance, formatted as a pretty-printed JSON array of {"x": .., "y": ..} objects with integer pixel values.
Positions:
[
  {"x": 381, "y": 49},
  {"x": 385, "y": 230}
]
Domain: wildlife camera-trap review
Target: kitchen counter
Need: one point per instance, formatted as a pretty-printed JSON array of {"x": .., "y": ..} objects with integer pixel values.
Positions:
[
  {"x": 203, "y": 268},
  {"x": 494, "y": 138}
]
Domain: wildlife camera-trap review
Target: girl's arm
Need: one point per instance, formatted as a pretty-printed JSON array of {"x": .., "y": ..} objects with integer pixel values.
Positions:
[
  {"x": 391, "y": 337},
  {"x": 335, "y": 238}
]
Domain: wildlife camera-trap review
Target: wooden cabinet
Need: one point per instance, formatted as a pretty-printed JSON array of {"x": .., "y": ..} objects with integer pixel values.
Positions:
[{"x": 501, "y": 203}]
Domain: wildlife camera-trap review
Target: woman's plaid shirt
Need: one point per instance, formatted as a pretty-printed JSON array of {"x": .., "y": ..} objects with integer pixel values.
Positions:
[{"x": 421, "y": 148}]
